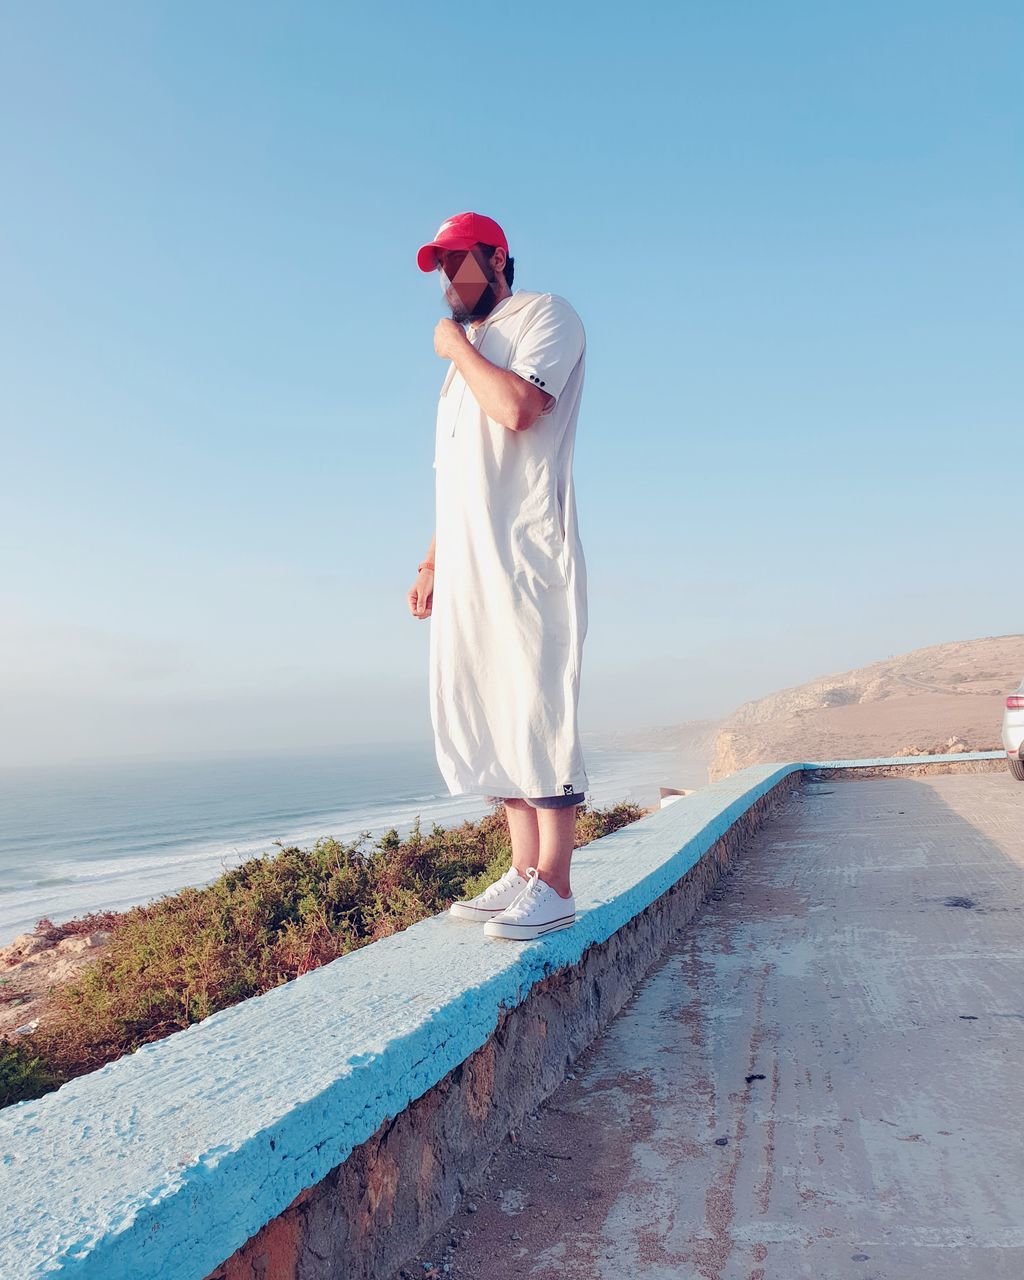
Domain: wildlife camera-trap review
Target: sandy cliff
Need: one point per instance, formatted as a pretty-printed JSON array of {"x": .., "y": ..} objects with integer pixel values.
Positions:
[{"x": 946, "y": 697}]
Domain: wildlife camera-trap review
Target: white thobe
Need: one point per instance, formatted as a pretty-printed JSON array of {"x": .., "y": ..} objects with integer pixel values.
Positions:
[{"x": 510, "y": 589}]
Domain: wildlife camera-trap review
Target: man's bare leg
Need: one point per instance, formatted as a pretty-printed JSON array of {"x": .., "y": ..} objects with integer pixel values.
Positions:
[
  {"x": 557, "y": 830},
  {"x": 522, "y": 828}
]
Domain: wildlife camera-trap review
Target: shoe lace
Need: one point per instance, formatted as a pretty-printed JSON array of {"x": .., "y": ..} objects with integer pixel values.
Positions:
[
  {"x": 499, "y": 886},
  {"x": 529, "y": 895}
]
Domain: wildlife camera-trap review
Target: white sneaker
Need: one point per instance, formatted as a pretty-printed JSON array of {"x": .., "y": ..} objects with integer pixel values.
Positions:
[
  {"x": 502, "y": 893},
  {"x": 537, "y": 910}
]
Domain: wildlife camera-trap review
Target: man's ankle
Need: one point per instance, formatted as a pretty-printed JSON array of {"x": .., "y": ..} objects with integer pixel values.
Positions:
[{"x": 561, "y": 887}]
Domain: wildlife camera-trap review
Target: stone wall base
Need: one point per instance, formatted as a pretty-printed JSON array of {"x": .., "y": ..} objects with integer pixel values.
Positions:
[{"x": 394, "y": 1191}]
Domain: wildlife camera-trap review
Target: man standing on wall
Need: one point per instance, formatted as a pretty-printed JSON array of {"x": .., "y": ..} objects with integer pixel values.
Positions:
[{"x": 508, "y": 597}]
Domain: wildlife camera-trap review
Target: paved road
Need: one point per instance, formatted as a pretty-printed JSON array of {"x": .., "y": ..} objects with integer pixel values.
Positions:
[{"x": 820, "y": 1078}]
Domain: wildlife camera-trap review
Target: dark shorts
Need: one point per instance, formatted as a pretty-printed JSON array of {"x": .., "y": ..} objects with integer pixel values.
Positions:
[{"x": 546, "y": 802}]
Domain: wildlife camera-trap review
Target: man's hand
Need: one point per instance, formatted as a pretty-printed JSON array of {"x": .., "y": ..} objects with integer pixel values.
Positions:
[
  {"x": 421, "y": 594},
  {"x": 449, "y": 337}
]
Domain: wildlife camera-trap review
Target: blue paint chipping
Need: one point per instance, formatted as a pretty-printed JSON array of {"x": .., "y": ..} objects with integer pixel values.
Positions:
[{"x": 166, "y": 1161}]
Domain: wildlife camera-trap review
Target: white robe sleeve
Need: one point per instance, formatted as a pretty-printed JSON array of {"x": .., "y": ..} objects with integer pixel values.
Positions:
[{"x": 549, "y": 346}]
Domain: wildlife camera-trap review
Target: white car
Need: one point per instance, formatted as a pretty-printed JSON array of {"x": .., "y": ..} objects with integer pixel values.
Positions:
[{"x": 1013, "y": 732}]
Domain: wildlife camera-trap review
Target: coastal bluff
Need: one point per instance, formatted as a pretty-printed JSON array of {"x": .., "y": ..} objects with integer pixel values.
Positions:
[{"x": 946, "y": 698}]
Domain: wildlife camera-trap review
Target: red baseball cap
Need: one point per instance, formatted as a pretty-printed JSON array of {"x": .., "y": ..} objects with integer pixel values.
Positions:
[{"x": 461, "y": 231}]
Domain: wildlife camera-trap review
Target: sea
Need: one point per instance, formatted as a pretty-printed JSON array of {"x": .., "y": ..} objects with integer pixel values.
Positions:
[{"x": 104, "y": 836}]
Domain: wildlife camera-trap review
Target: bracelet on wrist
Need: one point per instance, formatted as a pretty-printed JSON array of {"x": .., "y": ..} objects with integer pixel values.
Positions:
[{"x": 427, "y": 564}]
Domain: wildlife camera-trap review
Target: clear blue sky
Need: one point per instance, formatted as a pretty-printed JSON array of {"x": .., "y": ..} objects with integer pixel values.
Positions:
[{"x": 793, "y": 232}]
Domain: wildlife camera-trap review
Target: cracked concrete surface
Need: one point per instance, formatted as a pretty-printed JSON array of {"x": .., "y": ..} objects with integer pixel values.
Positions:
[{"x": 819, "y": 1078}]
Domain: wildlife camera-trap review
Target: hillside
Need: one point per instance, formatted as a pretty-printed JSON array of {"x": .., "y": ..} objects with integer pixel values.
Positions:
[{"x": 916, "y": 703}]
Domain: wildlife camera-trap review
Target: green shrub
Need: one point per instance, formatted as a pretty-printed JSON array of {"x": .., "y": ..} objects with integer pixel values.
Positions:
[{"x": 23, "y": 1074}]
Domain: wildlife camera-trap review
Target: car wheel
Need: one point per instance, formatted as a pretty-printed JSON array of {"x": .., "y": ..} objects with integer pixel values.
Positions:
[{"x": 1017, "y": 769}]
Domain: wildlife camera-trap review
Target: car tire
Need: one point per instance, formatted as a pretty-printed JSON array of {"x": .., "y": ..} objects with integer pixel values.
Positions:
[{"x": 1017, "y": 769}]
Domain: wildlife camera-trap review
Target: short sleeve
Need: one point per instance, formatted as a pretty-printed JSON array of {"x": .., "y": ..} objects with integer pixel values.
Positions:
[{"x": 549, "y": 345}]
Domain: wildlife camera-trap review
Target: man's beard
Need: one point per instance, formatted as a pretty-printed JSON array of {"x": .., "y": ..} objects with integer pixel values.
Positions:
[{"x": 484, "y": 305}]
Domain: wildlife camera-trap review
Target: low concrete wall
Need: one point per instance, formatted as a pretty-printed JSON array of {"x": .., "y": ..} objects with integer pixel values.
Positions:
[
  {"x": 327, "y": 1127},
  {"x": 364, "y": 1220}
]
